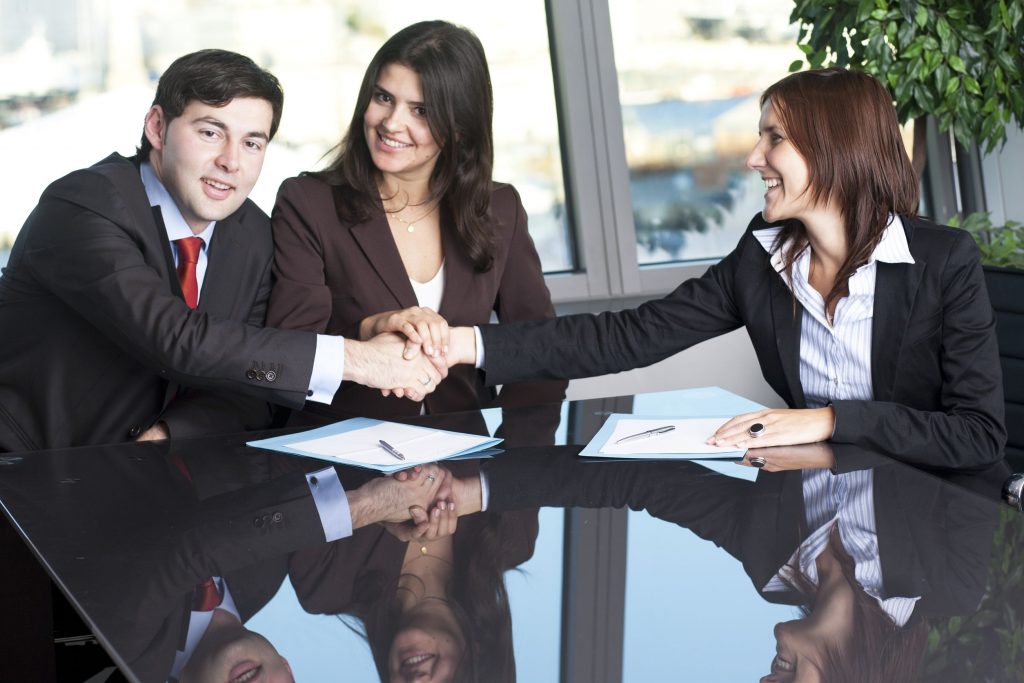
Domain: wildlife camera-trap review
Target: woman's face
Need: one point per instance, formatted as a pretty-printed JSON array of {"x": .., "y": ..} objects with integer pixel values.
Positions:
[
  {"x": 428, "y": 647},
  {"x": 395, "y": 125},
  {"x": 799, "y": 653},
  {"x": 784, "y": 171}
]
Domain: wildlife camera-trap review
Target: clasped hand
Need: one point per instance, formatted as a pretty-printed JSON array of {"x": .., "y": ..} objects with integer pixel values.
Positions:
[{"x": 426, "y": 338}]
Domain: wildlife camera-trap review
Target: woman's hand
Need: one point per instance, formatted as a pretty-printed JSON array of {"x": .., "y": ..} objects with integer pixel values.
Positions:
[
  {"x": 421, "y": 326},
  {"x": 441, "y": 521},
  {"x": 781, "y": 427}
]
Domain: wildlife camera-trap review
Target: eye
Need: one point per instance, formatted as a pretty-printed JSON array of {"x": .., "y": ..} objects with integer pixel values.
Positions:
[
  {"x": 775, "y": 138},
  {"x": 382, "y": 97},
  {"x": 254, "y": 145},
  {"x": 209, "y": 133},
  {"x": 420, "y": 111}
]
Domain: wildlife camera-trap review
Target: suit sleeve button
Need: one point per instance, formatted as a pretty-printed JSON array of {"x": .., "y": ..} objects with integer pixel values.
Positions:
[
  {"x": 257, "y": 522},
  {"x": 271, "y": 375},
  {"x": 260, "y": 375},
  {"x": 276, "y": 519},
  {"x": 134, "y": 432},
  {"x": 251, "y": 374}
]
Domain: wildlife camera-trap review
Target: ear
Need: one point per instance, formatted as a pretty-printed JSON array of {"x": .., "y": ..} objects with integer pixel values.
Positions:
[{"x": 155, "y": 126}]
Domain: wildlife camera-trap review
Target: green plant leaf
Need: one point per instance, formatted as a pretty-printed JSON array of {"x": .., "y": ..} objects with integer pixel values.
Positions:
[
  {"x": 921, "y": 16},
  {"x": 957, "y": 64},
  {"x": 796, "y": 65}
]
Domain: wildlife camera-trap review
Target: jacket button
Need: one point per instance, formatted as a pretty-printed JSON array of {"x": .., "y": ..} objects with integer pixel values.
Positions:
[
  {"x": 134, "y": 432},
  {"x": 257, "y": 522},
  {"x": 260, "y": 376},
  {"x": 271, "y": 375},
  {"x": 276, "y": 519},
  {"x": 251, "y": 374}
]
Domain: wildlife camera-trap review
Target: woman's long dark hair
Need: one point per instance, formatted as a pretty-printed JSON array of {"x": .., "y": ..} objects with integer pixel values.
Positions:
[
  {"x": 456, "y": 83},
  {"x": 844, "y": 125}
]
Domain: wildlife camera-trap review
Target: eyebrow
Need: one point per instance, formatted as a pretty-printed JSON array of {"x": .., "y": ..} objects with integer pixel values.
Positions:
[
  {"x": 389, "y": 94},
  {"x": 217, "y": 123}
]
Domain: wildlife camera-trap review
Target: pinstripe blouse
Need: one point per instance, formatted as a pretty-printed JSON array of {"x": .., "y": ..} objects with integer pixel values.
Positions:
[{"x": 835, "y": 364}]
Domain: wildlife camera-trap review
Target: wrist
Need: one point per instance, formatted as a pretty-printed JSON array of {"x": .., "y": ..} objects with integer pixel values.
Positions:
[
  {"x": 464, "y": 346},
  {"x": 355, "y": 361},
  {"x": 467, "y": 495},
  {"x": 366, "y": 327},
  {"x": 357, "y": 507}
]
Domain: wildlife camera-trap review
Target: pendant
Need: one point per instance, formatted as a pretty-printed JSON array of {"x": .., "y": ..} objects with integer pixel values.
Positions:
[{"x": 411, "y": 228}]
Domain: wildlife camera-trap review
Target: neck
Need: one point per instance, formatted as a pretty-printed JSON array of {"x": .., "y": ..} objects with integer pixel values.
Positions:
[
  {"x": 397, "y": 192},
  {"x": 826, "y": 234}
]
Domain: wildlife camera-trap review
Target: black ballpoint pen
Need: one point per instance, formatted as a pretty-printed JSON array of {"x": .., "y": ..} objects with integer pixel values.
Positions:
[
  {"x": 391, "y": 449},
  {"x": 643, "y": 435}
]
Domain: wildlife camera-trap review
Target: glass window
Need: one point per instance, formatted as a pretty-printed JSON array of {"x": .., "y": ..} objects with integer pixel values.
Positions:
[
  {"x": 690, "y": 75},
  {"x": 94, "y": 66}
]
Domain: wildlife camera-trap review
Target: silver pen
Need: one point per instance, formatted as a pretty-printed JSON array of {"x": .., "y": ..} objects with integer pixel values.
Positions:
[
  {"x": 643, "y": 435},
  {"x": 391, "y": 449}
]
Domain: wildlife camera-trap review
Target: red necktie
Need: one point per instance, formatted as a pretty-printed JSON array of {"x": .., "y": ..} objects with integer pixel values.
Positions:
[
  {"x": 188, "y": 257},
  {"x": 206, "y": 596}
]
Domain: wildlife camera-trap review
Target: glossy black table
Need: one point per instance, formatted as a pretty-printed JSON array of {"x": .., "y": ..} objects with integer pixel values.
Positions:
[{"x": 667, "y": 590}]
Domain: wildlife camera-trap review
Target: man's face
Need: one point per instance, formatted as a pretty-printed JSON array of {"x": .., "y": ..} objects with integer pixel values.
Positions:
[{"x": 210, "y": 157}]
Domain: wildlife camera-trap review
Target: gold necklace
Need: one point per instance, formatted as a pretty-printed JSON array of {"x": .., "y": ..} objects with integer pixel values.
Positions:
[{"x": 410, "y": 226}]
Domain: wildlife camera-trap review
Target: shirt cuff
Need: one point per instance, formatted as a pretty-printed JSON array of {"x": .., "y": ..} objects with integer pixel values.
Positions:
[
  {"x": 331, "y": 503},
  {"x": 479, "y": 346},
  {"x": 328, "y": 368},
  {"x": 485, "y": 491}
]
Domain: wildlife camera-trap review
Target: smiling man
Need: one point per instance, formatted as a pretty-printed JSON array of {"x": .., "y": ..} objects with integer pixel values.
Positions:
[{"x": 133, "y": 303}]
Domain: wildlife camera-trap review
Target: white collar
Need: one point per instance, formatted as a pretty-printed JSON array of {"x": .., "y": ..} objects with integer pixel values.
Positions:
[{"x": 892, "y": 248}]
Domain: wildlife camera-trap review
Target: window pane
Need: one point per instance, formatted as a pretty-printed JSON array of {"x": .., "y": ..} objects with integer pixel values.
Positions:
[
  {"x": 95, "y": 65},
  {"x": 690, "y": 74}
]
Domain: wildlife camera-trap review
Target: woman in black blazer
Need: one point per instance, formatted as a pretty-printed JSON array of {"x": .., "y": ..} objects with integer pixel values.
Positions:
[{"x": 873, "y": 325}]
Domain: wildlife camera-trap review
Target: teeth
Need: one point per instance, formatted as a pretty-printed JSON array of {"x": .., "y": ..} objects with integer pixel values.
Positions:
[
  {"x": 393, "y": 143},
  {"x": 248, "y": 675},
  {"x": 772, "y": 182},
  {"x": 215, "y": 184},
  {"x": 783, "y": 664},
  {"x": 416, "y": 659}
]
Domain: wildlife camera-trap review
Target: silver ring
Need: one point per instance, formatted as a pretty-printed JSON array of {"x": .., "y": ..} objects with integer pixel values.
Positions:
[
  {"x": 431, "y": 477},
  {"x": 425, "y": 383},
  {"x": 755, "y": 430},
  {"x": 757, "y": 461}
]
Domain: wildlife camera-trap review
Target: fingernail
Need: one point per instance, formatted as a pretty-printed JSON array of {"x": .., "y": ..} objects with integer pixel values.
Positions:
[
  {"x": 430, "y": 350},
  {"x": 446, "y": 349}
]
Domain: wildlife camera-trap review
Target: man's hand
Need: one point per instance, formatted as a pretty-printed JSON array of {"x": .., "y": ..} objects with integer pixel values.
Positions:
[
  {"x": 421, "y": 326},
  {"x": 386, "y": 499},
  {"x": 155, "y": 433},
  {"x": 379, "y": 363}
]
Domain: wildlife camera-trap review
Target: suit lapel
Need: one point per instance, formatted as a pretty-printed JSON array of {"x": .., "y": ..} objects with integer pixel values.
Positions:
[
  {"x": 225, "y": 261},
  {"x": 375, "y": 240},
  {"x": 786, "y": 322},
  {"x": 458, "y": 272},
  {"x": 895, "y": 290}
]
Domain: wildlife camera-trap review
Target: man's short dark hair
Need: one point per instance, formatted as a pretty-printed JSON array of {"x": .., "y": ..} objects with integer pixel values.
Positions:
[{"x": 214, "y": 77}]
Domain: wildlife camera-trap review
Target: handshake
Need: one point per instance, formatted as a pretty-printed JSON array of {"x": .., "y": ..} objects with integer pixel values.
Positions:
[
  {"x": 407, "y": 352},
  {"x": 422, "y": 503}
]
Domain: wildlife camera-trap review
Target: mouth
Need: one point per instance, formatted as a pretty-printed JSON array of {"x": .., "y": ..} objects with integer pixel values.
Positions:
[
  {"x": 245, "y": 672},
  {"x": 416, "y": 661},
  {"x": 216, "y": 189},
  {"x": 391, "y": 142},
  {"x": 771, "y": 183},
  {"x": 782, "y": 665}
]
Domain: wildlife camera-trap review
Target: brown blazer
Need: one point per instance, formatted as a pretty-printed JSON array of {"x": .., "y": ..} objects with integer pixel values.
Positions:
[{"x": 331, "y": 275}]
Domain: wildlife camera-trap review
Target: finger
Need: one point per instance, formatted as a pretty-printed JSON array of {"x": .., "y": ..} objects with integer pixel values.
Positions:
[
  {"x": 445, "y": 336},
  {"x": 411, "y": 350},
  {"x": 449, "y": 520},
  {"x": 423, "y": 328},
  {"x": 385, "y": 392},
  {"x": 418, "y": 514},
  {"x": 410, "y": 331}
]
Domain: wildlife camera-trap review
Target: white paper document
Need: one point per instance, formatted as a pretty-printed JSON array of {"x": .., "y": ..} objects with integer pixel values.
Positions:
[
  {"x": 417, "y": 444},
  {"x": 688, "y": 438}
]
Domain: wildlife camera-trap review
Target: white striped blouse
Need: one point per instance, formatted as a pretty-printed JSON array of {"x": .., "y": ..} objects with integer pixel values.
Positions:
[{"x": 835, "y": 364}]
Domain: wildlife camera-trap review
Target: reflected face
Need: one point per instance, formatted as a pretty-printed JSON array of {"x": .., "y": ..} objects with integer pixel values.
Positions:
[
  {"x": 396, "y": 128},
  {"x": 784, "y": 171},
  {"x": 209, "y": 158},
  {"x": 244, "y": 657},
  {"x": 798, "y": 653},
  {"x": 426, "y": 652}
]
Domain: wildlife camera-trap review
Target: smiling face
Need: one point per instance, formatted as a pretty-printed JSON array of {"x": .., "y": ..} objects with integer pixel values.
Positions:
[
  {"x": 429, "y": 646},
  {"x": 784, "y": 171},
  {"x": 209, "y": 158},
  {"x": 396, "y": 128},
  {"x": 236, "y": 655}
]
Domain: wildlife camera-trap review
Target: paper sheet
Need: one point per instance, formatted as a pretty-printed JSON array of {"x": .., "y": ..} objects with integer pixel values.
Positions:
[{"x": 688, "y": 437}]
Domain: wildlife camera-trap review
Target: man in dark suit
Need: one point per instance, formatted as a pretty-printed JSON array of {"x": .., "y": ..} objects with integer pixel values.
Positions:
[{"x": 102, "y": 335}]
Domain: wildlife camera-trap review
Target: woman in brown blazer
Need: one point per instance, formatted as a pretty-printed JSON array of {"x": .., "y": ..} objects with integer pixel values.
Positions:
[{"x": 405, "y": 231}]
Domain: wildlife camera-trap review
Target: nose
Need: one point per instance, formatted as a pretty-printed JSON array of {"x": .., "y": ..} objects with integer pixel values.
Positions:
[
  {"x": 227, "y": 160},
  {"x": 755, "y": 160}
]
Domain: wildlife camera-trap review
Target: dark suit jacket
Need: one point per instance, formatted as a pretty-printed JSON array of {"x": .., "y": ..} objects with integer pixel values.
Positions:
[
  {"x": 331, "y": 275},
  {"x": 934, "y": 538},
  {"x": 938, "y": 397},
  {"x": 94, "y": 325}
]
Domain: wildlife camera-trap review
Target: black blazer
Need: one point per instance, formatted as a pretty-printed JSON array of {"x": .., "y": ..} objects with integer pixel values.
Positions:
[
  {"x": 934, "y": 537},
  {"x": 94, "y": 325},
  {"x": 938, "y": 396}
]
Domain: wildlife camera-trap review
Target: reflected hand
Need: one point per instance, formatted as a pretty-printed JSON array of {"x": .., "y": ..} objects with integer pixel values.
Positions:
[
  {"x": 378, "y": 363},
  {"x": 157, "y": 432},
  {"x": 422, "y": 327},
  {"x": 386, "y": 499},
  {"x": 807, "y": 456},
  {"x": 782, "y": 427}
]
